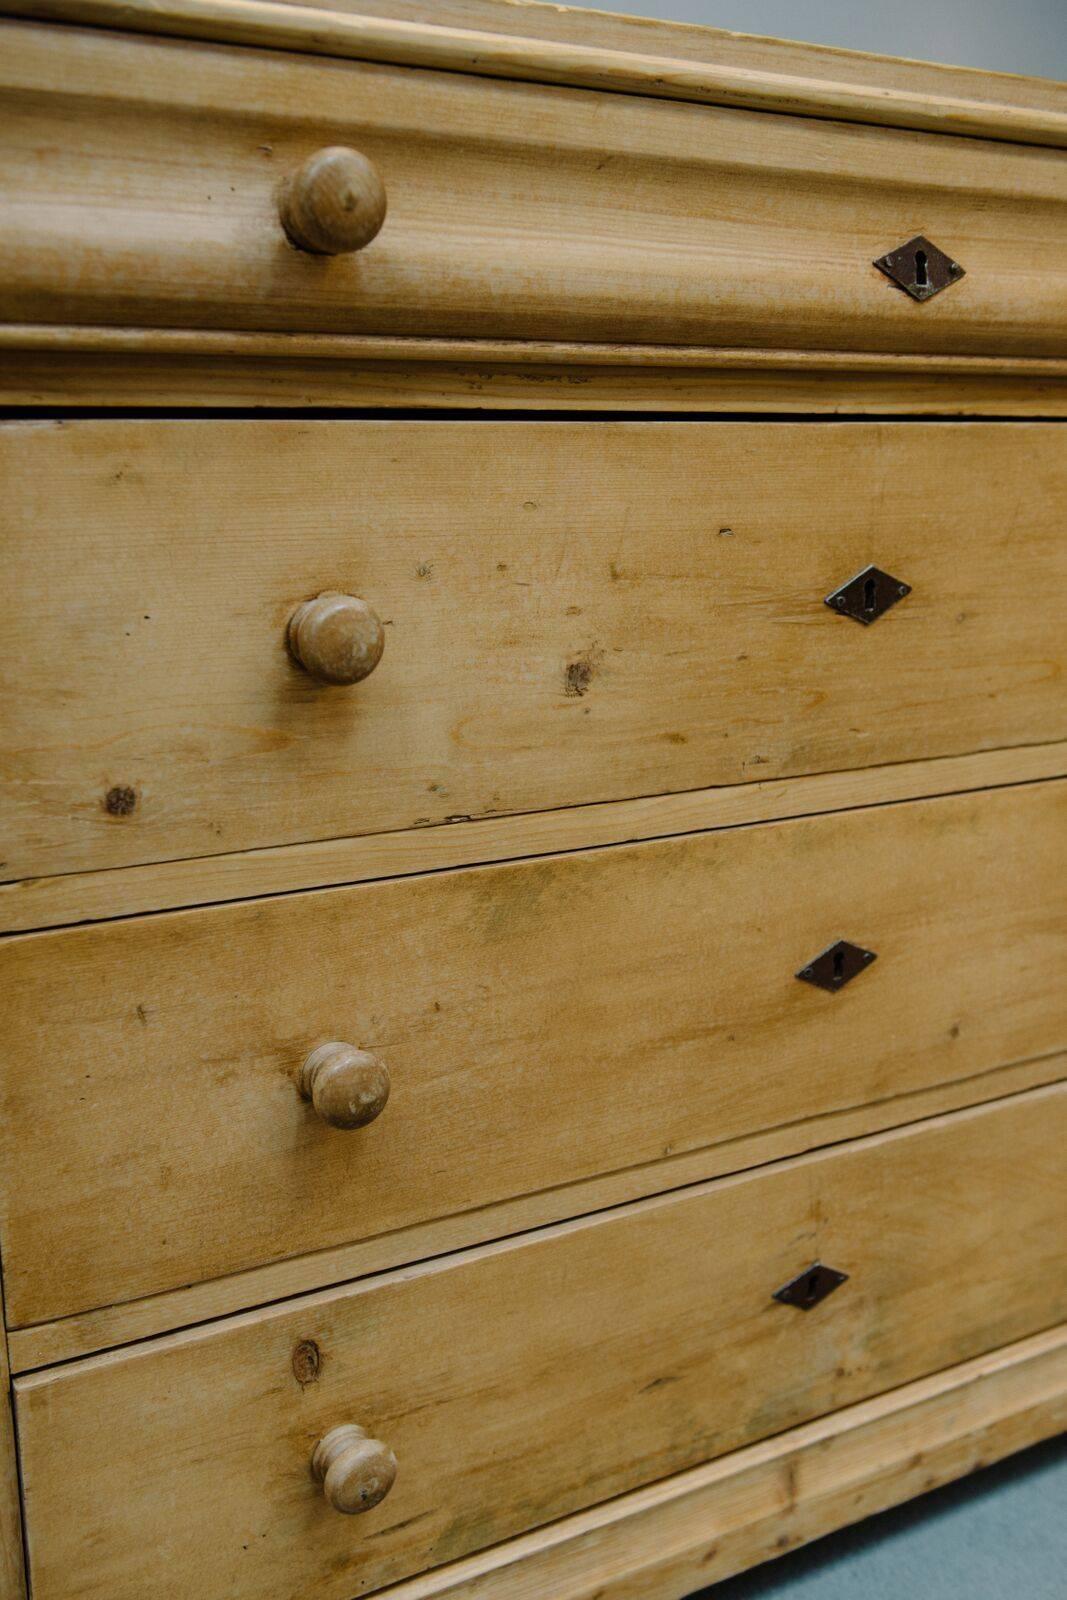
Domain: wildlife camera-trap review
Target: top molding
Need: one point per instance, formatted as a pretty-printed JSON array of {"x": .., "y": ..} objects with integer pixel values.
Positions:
[{"x": 597, "y": 51}]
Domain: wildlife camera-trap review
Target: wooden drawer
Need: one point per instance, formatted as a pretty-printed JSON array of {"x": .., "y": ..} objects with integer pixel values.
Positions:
[
  {"x": 572, "y": 612},
  {"x": 140, "y": 187},
  {"x": 526, "y": 1379},
  {"x": 542, "y": 1022}
]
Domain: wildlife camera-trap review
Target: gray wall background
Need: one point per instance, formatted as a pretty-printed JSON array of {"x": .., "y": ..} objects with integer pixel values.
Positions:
[{"x": 1002, "y": 35}]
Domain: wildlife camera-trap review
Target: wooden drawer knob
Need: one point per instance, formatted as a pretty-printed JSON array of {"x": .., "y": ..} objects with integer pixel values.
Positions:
[
  {"x": 336, "y": 638},
  {"x": 333, "y": 204},
  {"x": 356, "y": 1473},
  {"x": 347, "y": 1087}
]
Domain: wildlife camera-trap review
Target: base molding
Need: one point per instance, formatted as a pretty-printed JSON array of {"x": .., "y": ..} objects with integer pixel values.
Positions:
[{"x": 678, "y": 1536}]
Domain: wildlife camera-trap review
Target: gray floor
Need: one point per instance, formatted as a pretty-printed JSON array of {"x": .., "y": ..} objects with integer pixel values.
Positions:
[{"x": 999, "y": 1535}]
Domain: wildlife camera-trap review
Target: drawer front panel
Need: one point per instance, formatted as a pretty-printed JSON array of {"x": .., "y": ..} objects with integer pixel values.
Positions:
[
  {"x": 542, "y": 1022},
  {"x": 528, "y": 1379},
  {"x": 144, "y": 191},
  {"x": 571, "y": 612}
]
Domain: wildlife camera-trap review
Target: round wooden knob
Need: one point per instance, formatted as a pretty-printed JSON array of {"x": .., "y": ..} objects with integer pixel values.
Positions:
[
  {"x": 336, "y": 638},
  {"x": 347, "y": 1087},
  {"x": 356, "y": 1473},
  {"x": 334, "y": 203}
]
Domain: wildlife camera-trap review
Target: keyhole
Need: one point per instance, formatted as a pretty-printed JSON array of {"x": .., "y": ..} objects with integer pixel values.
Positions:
[
  {"x": 921, "y": 279},
  {"x": 870, "y": 595},
  {"x": 812, "y": 1286},
  {"x": 839, "y": 966}
]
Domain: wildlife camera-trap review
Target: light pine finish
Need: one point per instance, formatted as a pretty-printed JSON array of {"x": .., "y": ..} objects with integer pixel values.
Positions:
[
  {"x": 575, "y": 613},
  {"x": 645, "y": 35},
  {"x": 532, "y": 1039},
  {"x": 111, "y": 1326},
  {"x": 667, "y": 1541},
  {"x": 515, "y": 210},
  {"x": 409, "y": 1108},
  {"x": 504, "y": 1380},
  {"x": 31, "y": 903},
  {"x": 611, "y": 53},
  {"x": 334, "y": 203},
  {"x": 196, "y": 368},
  {"x": 12, "y": 1575}
]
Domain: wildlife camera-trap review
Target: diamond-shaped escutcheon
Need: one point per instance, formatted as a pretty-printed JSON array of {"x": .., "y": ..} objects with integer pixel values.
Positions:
[
  {"x": 868, "y": 595},
  {"x": 920, "y": 268},
  {"x": 836, "y": 966},
  {"x": 810, "y": 1286}
]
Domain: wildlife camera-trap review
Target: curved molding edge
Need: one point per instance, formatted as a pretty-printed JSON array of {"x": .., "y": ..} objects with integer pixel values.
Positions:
[
  {"x": 42, "y": 365},
  {"x": 303, "y": 29}
]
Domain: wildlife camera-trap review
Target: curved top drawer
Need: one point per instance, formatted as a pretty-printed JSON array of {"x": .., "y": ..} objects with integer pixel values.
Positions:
[{"x": 140, "y": 185}]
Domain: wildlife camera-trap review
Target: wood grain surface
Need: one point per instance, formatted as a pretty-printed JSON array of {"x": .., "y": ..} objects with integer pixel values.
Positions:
[
  {"x": 515, "y": 210},
  {"x": 107, "y": 1327},
  {"x": 31, "y": 903},
  {"x": 574, "y": 613},
  {"x": 669, "y": 1540},
  {"x": 196, "y": 368},
  {"x": 542, "y": 1022},
  {"x": 527, "y": 1379},
  {"x": 624, "y": 55},
  {"x": 600, "y": 638},
  {"x": 12, "y": 1574}
]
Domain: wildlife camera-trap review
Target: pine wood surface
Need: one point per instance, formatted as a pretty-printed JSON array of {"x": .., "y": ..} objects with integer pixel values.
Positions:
[
  {"x": 667, "y": 1541},
  {"x": 582, "y": 212},
  {"x": 107, "y": 1327},
  {"x": 542, "y": 1022},
  {"x": 32, "y": 903},
  {"x": 12, "y": 1575},
  {"x": 627, "y": 55},
  {"x": 573, "y": 612},
  {"x": 514, "y": 210},
  {"x": 654, "y": 36},
  {"x": 478, "y": 1370},
  {"x": 43, "y": 365}
]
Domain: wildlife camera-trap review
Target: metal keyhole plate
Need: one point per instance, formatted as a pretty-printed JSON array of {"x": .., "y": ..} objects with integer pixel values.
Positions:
[
  {"x": 868, "y": 595},
  {"x": 836, "y": 966},
  {"x": 810, "y": 1286},
  {"x": 920, "y": 268}
]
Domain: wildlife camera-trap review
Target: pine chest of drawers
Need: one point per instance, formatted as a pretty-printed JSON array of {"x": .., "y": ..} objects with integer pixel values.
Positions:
[{"x": 534, "y": 787}]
